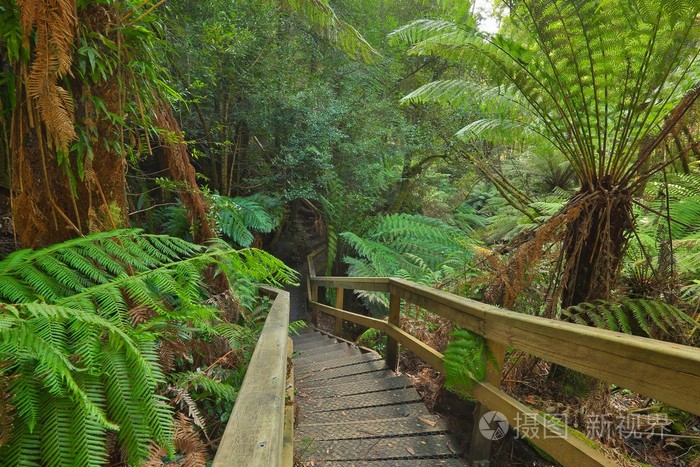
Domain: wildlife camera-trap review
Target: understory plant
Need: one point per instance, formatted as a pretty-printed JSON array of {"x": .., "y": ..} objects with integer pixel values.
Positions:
[
  {"x": 87, "y": 328},
  {"x": 240, "y": 220},
  {"x": 412, "y": 247}
]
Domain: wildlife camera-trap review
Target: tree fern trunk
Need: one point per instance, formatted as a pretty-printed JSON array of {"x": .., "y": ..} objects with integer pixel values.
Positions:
[{"x": 594, "y": 246}]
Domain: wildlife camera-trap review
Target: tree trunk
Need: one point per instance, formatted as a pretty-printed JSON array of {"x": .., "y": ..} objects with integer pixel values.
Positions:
[
  {"x": 183, "y": 172},
  {"x": 594, "y": 248},
  {"x": 595, "y": 245},
  {"x": 46, "y": 209}
]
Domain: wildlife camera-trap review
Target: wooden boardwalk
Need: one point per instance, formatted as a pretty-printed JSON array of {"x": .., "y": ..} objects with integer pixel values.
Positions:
[{"x": 353, "y": 410}]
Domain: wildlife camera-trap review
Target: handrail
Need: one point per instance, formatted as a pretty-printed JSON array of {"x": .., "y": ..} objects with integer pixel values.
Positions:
[
  {"x": 664, "y": 371},
  {"x": 254, "y": 434}
]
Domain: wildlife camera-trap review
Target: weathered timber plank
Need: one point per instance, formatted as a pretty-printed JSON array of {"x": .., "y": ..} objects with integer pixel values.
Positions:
[
  {"x": 386, "y": 448},
  {"x": 369, "y": 413},
  {"x": 332, "y": 373},
  {"x": 552, "y": 438},
  {"x": 336, "y": 350},
  {"x": 314, "y": 344},
  {"x": 372, "y": 399},
  {"x": 422, "y": 350},
  {"x": 337, "y": 362},
  {"x": 310, "y": 359},
  {"x": 253, "y": 434},
  {"x": 662, "y": 370},
  {"x": 354, "y": 317},
  {"x": 301, "y": 338},
  {"x": 347, "y": 380},
  {"x": 373, "y": 428},
  {"x": 288, "y": 441},
  {"x": 401, "y": 463},
  {"x": 360, "y": 387},
  {"x": 379, "y": 284},
  {"x": 393, "y": 318}
]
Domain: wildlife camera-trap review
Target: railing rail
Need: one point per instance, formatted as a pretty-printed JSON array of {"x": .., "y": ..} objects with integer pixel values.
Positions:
[
  {"x": 664, "y": 371},
  {"x": 255, "y": 433}
]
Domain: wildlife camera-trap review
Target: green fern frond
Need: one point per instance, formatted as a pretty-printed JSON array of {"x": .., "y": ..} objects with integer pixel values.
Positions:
[
  {"x": 78, "y": 366},
  {"x": 201, "y": 386},
  {"x": 296, "y": 326},
  {"x": 413, "y": 247},
  {"x": 465, "y": 359},
  {"x": 566, "y": 58},
  {"x": 631, "y": 316},
  {"x": 326, "y": 23},
  {"x": 123, "y": 407},
  {"x": 422, "y": 29}
]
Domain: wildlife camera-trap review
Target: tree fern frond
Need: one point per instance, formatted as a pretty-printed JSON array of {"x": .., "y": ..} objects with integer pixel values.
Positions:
[
  {"x": 57, "y": 414},
  {"x": 122, "y": 406},
  {"x": 421, "y": 30},
  {"x": 86, "y": 436},
  {"x": 327, "y": 24},
  {"x": 203, "y": 386},
  {"x": 632, "y": 316},
  {"x": 24, "y": 447},
  {"x": 238, "y": 217}
]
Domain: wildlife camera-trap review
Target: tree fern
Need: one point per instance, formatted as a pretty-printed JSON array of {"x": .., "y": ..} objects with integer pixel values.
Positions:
[
  {"x": 604, "y": 83},
  {"x": 651, "y": 318},
  {"x": 78, "y": 368},
  {"x": 413, "y": 247},
  {"x": 237, "y": 219},
  {"x": 432, "y": 240}
]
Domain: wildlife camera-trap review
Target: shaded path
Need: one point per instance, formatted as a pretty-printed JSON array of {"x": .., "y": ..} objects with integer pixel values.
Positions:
[{"x": 298, "y": 309}]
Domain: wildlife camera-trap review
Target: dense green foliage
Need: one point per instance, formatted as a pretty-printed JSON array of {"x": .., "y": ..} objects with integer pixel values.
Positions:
[
  {"x": 551, "y": 167},
  {"x": 83, "y": 328}
]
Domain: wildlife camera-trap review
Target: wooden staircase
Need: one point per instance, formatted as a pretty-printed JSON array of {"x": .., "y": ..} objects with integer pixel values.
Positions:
[{"x": 354, "y": 410}]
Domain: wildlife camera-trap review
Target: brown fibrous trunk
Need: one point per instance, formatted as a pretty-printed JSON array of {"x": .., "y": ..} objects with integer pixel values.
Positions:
[{"x": 594, "y": 246}]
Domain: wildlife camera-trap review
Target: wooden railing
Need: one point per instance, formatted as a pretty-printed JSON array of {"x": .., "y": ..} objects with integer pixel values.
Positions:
[
  {"x": 664, "y": 371},
  {"x": 259, "y": 431}
]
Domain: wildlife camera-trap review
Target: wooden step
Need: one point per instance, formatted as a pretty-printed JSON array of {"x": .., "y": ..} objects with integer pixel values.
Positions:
[
  {"x": 365, "y": 413},
  {"x": 337, "y": 362},
  {"x": 306, "y": 357},
  {"x": 307, "y": 336},
  {"x": 348, "y": 380},
  {"x": 331, "y": 373},
  {"x": 372, "y": 399},
  {"x": 314, "y": 343},
  {"x": 426, "y": 447},
  {"x": 449, "y": 462},
  {"x": 311, "y": 354},
  {"x": 361, "y": 387},
  {"x": 374, "y": 428}
]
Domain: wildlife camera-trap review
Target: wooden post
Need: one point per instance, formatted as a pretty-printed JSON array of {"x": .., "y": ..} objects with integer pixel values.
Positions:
[
  {"x": 312, "y": 290},
  {"x": 480, "y": 446},
  {"x": 392, "y": 346},
  {"x": 339, "y": 304},
  {"x": 289, "y": 404}
]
